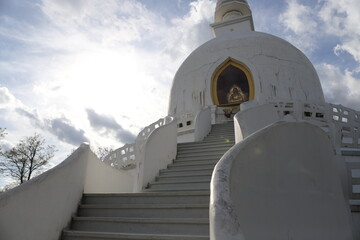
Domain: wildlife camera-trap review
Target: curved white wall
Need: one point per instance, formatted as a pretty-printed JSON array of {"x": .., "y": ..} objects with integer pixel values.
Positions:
[
  {"x": 40, "y": 208},
  {"x": 279, "y": 183},
  {"x": 102, "y": 178},
  {"x": 160, "y": 150},
  {"x": 202, "y": 124}
]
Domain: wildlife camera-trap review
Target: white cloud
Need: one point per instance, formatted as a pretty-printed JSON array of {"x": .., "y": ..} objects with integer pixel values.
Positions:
[
  {"x": 310, "y": 28},
  {"x": 190, "y": 31},
  {"x": 341, "y": 87},
  {"x": 341, "y": 18},
  {"x": 115, "y": 57},
  {"x": 7, "y": 100},
  {"x": 300, "y": 20},
  {"x": 110, "y": 23}
]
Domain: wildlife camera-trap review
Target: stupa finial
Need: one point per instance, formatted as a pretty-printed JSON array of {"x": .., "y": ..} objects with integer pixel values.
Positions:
[{"x": 231, "y": 9}]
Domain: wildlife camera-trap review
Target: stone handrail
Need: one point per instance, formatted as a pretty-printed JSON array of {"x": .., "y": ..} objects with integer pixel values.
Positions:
[
  {"x": 195, "y": 125},
  {"x": 144, "y": 134},
  {"x": 249, "y": 120},
  {"x": 185, "y": 122},
  {"x": 340, "y": 123},
  {"x": 126, "y": 157},
  {"x": 346, "y": 121},
  {"x": 266, "y": 176},
  {"x": 202, "y": 124},
  {"x": 122, "y": 158},
  {"x": 313, "y": 112}
]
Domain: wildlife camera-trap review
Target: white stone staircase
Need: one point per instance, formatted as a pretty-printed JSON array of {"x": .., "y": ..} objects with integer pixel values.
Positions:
[{"x": 175, "y": 206}]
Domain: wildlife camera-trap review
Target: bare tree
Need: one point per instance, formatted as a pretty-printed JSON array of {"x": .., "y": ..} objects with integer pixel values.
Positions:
[
  {"x": 27, "y": 157},
  {"x": 2, "y": 135},
  {"x": 8, "y": 187},
  {"x": 2, "y": 132},
  {"x": 102, "y": 152}
]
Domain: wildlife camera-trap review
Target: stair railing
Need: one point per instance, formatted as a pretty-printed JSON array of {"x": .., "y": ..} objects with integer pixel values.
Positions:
[
  {"x": 132, "y": 156},
  {"x": 125, "y": 157},
  {"x": 342, "y": 124},
  {"x": 347, "y": 126},
  {"x": 247, "y": 121},
  {"x": 248, "y": 172},
  {"x": 196, "y": 125},
  {"x": 122, "y": 158}
]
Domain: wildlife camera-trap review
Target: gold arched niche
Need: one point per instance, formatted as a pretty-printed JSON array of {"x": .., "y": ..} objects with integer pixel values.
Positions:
[{"x": 232, "y": 84}]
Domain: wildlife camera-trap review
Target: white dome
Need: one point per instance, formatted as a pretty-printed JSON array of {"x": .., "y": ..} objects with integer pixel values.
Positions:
[{"x": 279, "y": 71}]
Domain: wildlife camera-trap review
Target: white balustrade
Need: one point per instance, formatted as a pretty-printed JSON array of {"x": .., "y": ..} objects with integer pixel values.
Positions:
[
  {"x": 122, "y": 158},
  {"x": 346, "y": 120},
  {"x": 193, "y": 127},
  {"x": 313, "y": 112},
  {"x": 185, "y": 122},
  {"x": 347, "y": 123},
  {"x": 343, "y": 126},
  {"x": 127, "y": 157}
]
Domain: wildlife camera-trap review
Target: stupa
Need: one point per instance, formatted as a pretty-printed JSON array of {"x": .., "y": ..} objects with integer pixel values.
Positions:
[{"x": 250, "y": 150}]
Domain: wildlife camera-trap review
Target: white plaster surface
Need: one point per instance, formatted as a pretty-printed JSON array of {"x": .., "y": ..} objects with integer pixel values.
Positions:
[
  {"x": 253, "y": 119},
  {"x": 40, "y": 208},
  {"x": 279, "y": 71},
  {"x": 200, "y": 127},
  {"x": 224, "y": 7},
  {"x": 43, "y": 206},
  {"x": 202, "y": 124},
  {"x": 279, "y": 183},
  {"x": 102, "y": 178},
  {"x": 159, "y": 150}
]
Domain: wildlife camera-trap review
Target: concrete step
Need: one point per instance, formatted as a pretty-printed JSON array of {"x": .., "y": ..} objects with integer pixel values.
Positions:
[
  {"x": 201, "y": 154},
  {"x": 181, "y": 184},
  {"x": 193, "y": 226},
  {"x": 202, "y": 161},
  {"x": 219, "y": 137},
  {"x": 180, "y": 189},
  {"x": 219, "y": 131},
  {"x": 203, "y": 144},
  {"x": 191, "y": 167},
  {"x": 219, "y": 140},
  {"x": 175, "y": 178},
  {"x": 198, "y": 158},
  {"x": 195, "y": 145},
  {"x": 174, "y": 210},
  {"x": 86, "y": 235},
  {"x": 172, "y": 172},
  {"x": 187, "y": 144},
  {"x": 177, "y": 164},
  {"x": 202, "y": 150},
  {"x": 176, "y": 206},
  {"x": 200, "y": 197},
  {"x": 222, "y": 126}
]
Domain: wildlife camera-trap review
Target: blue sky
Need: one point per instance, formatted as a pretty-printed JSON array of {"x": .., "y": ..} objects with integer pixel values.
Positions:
[{"x": 100, "y": 70}]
